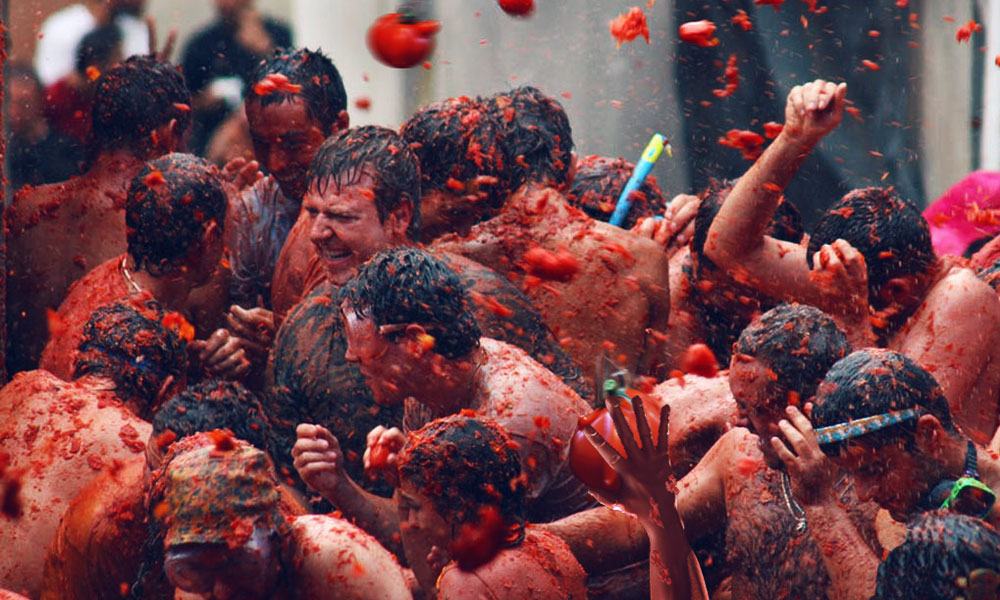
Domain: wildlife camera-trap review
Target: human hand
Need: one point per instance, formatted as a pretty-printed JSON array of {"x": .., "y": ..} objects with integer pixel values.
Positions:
[
  {"x": 644, "y": 471},
  {"x": 222, "y": 355},
  {"x": 251, "y": 34},
  {"x": 677, "y": 226},
  {"x": 162, "y": 54},
  {"x": 319, "y": 461},
  {"x": 382, "y": 453},
  {"x": 809, "y": 470},
  {"x": 255, "y": 328},
  {"x": 840, "y": 273},
  {"x": 242, "y": 173},
  {"x": 813, "y": 110}
]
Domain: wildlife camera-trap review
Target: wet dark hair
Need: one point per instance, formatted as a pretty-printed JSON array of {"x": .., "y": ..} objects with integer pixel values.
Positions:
[
  {"x": 599, "y": 181},
  {"x": 991, "y": 275},
  {"x": 940, "y": 549},
  {"x": 322, "y": 88},
  {"x": 798, "y": 343},
  {"x": 885, "y": 228},
  {"x": 167, "y": 207},
  {"x": 871, "y": 382},
  {"x": 97, "y": 47},
  {"x": 463, "y": 464},
  {"x": 134, "y": 344},
  {"x": 135, "y": 98},
  {"x": 345, "y": 157},
  {"x": 459, "y": 140},
  {"x": 404, "y": 285},
  {"x": 537, "y": 134},
  {"x": 785, "y": 225},
  {"x": 215, "y": 404}
]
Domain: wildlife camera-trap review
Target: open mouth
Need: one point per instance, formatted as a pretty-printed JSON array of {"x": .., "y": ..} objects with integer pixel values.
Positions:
[{"x": 334, "y": 256}]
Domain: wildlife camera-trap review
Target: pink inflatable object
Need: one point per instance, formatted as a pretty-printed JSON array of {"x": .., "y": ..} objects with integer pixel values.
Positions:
[{"x": 969, "y": 210}]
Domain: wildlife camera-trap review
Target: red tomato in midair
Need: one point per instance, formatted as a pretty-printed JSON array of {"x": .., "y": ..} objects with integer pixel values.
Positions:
[
  {"x": 586, "y": 463},
  {"x": 520, "y": 8},
  {"x": 401, "y": 42}
]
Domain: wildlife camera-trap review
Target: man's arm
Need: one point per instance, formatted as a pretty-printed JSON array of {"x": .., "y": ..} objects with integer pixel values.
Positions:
[{"x": 850, "y": 562}]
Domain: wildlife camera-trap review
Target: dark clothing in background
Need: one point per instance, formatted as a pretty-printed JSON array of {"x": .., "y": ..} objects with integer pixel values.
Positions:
[
  {"x": 780, "y": 52},
  {"x": 213, "y": 53}
]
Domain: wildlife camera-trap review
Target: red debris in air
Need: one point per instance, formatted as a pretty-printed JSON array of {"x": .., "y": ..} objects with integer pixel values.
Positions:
[
  {"x": 699, "y": 360},
  {"x": 742, "y": 21},
  {"x": 774, "y": 3},
  {"x": 749, "y": 144},
  {"x": 363, "y": 102},
  {"x": 154, "y": 179},
  {"x": 223, "y": 440},
  {"x": 628, "y": 26},
  {"x": 732, "y": 77},
  {"x": 93, "y": 73},
  {"x": 965, "y": 31},
  {"x": 813, "y": 8},
  {"x": 854, "y": 112},
  {"x": 902, "y": 3},
  {"x": 555, "y": 266},
  {"x": 996, "y": 60},
  {"x": 700, "y": 33},
  {"x": 519, "y": 8},
  {"x": 275, "y": 82},
  {"x": 478, "y": 543},
  {"x": 772, "y": 129},
  {"x": 870, "y": 64}
]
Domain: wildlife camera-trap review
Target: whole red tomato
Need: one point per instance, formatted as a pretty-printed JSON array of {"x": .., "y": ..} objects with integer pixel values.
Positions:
[
  {"x": 520, "y": 8},
  {"x": 400, "y": 40},
  {"x": 379, "y": 458},
  {"x": 584, "y": 460}
]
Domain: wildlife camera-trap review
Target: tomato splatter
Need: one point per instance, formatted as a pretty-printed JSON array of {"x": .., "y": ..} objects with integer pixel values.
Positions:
[
  {"x": 774, "y": 3},
  {"x": 742, "y": 20},
  {"x": 276, "y": 82},
  {"x": 732, "y": 78},
  {"x": 749, "y": 144},
  {"x": 772, "y": 129},
  {"x": 870, "y": 64},
  {"x": 93, "y": 73},
  {"x": 700, "y": 360},
  {"x": 628, "y": 26},
  {"x": 700, "y": 33},
  {"x": 965, "y": 31},
  {"x": 154, "y": 179},
  {"x": 363, "y": 102},
  {"x": 555, "y": 266}
]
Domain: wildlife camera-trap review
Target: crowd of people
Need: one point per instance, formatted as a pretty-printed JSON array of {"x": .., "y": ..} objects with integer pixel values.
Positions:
[{"x": 375, "y": 363}]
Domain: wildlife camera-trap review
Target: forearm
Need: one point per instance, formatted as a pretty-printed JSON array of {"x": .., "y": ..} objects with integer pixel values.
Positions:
[
  {"x": 674, "y": 572},
  {"x": 743, "y": 218},
  {"x": 850, "y": 562},
  {"x": 375, "y": 514},
  {"x": 601, "y": 539}
]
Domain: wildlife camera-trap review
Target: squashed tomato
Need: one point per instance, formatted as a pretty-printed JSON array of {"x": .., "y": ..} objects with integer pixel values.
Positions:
[
  {"x": 699, "y": 33},
  {"x": 520, "y": 8},
  {"x": 555, "y": 266},
  {"x": 584, "y": 460},
  {"x": 401, "y": 41}
]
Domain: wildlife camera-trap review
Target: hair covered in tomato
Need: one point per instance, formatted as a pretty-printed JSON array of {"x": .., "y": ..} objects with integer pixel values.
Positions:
[{"x": 317, "y": 79}]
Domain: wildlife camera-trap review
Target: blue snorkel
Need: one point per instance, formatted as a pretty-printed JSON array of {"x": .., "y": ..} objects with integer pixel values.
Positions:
[{"x": 649, "y": 157}]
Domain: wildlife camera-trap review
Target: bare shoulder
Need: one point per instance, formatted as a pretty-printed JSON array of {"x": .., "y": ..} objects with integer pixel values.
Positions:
[
  {"x": 518, "y": 384},
  {"x": 335, "y": 559},
  {"x": 961, "y": 293},
  {"x": 31, "y": 204}
]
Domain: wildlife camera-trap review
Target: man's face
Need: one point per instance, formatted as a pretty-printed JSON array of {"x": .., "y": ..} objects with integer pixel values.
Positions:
[
  {"x": 383, "y": 363},
  {"x": 217, "y": 572},
  {"x": 751, "y": 385},
  {"x": 421, "y": 528},
  {"x": 285, "y": 138},
  {"x": 345, "y": 227},
  {"x": 890, "y": 476}
]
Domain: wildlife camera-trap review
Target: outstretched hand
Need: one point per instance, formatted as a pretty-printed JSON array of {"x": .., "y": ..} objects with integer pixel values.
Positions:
[
  {"x": 319, "y": 460},
  {"x": 645, "y": 470},
  {"x": 814, "y": 109},
  {"x": 809, "y": 470}
]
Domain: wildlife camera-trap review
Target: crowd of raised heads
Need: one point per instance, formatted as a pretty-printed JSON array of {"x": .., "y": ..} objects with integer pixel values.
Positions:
[{"x": 312, "y": 360}]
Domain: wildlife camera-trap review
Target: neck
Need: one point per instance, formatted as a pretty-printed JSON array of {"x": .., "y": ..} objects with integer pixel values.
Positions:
[{"x": 458, "y": 387}]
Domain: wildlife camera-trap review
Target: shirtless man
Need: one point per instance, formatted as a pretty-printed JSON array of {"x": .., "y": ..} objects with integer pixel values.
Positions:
[
  {"x": 410, "y": 328},
  {"x": 881, "y": 269},
  {"x": 363, "y": 192},
  {"x": 175, "y": 212},
  {"x": 599, "y": 181},
  {"x": 737, "y": 486},
  {"x": 57, "y": 233},
  {"x": 225, "y": 534},
  {"x": 631, "y": 272},
  {"x": 908, "y": 460},
  {"x": 101, "y": 543},
  {"x": 58, "y": 436},
  {"x": 444, "y": 511}
]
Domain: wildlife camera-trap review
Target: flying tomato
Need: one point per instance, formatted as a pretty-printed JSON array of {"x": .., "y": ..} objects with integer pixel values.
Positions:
[{"x": 401, "y": 41}]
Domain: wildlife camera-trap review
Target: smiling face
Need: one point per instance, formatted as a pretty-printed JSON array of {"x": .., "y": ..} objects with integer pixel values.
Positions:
[
  {"x": 345, "y": 227},
  {"x": 285, "y": 138}
]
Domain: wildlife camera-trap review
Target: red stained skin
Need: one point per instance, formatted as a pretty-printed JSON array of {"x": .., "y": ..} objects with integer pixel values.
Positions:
[
  {"x": 965, "y": 32},
  {"x": 401, "y": 42},
  {"x": 732, "y": 77},
  {"x": 628, "y": 26},
  {"x": 276, "y": 82},
  {"x": 556, "y": 266},
  {"x": 700, "y": 33},
  {"x": 749, "y": 144},
  {"x": 519, "y": 8},
  {"x": 700, "y": 360},
  {"x": 477, "y": 544}
]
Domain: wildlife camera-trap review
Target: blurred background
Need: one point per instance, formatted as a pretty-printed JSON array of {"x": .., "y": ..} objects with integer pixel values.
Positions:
[{"x": 917, "y": 122}]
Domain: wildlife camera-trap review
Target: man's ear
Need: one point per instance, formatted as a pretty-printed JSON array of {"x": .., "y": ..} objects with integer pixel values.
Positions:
[
  {"x": 342, "y": 122},
  {"x": 399, "y": 218},
  {"x": 418, "y": 341},
  {"x": 896, "y": 291},
  {"x": 931, "y": 437}
]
